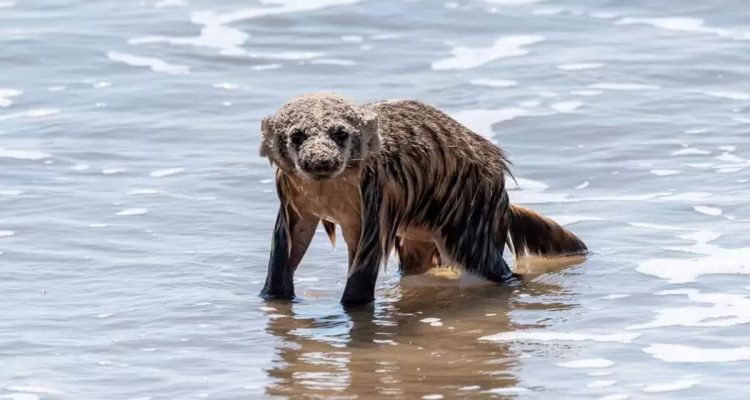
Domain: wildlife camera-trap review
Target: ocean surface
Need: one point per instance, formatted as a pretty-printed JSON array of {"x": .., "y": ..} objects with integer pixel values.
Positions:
[{"x": 136, "y": 215}]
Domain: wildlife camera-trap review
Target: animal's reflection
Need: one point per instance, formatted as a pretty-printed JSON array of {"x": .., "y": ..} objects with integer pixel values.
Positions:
[{"x": 416, "y": 340}]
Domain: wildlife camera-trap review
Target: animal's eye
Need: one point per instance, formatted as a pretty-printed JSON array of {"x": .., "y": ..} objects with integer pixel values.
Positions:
[
  {"x": 298, "y": 137},
  {"x": 339, "y": 135}
]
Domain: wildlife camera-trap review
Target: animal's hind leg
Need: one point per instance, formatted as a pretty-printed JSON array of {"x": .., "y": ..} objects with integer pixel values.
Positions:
[{"x": 416, "y": 257}]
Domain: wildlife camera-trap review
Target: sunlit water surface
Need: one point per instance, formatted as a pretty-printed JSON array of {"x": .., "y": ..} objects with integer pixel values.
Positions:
[{"x": 136, "y": 216}]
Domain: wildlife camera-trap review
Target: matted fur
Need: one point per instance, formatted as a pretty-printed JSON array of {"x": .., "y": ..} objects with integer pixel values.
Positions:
[{"x": 408, "y": 177}]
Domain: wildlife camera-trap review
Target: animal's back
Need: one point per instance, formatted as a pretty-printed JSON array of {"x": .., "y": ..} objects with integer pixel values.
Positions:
[{"x": 434, "y": 141}]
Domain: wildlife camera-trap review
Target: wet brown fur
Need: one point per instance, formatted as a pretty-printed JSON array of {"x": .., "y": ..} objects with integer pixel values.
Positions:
[{"x": 407, "y": 177}]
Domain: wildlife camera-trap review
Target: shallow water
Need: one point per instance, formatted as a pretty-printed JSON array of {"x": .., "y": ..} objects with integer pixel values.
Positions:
[{"x": 135, "y": 215}]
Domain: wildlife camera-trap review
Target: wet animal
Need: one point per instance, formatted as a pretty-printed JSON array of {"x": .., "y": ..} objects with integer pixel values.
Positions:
[{"x": 395, "y": 174}]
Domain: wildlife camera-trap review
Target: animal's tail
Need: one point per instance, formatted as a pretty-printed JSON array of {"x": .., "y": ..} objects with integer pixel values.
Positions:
[{"x": 533, "y": 234}]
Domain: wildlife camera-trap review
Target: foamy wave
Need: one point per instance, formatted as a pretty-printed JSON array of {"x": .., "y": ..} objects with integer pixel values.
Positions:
[
  {"x": 23, "y": 154},
  {"x": 154, "y": 64},
  {"x": 690, "y": 151},
  {"x": 690, "y": 354},
  {"x": 623, "y": 86},
  {"x": 546, "y": 336},
  {"x": 681, "y": 384},
  {"x": 587, "y": 363},
  {"x": 33, "y": 389},
  {"x": 665, "y": 172},
  {"x": 600, "y": 384},
  {"x": 713, "y": 211},
  {"x": 498, "y": 83},
  {"x": 333, "y": 61},
  {"x": 6, "y": 95},
  {"x": 712, "y": 259},
  {"x": 566, "y": 106},
  {"x": 683, "y": 24},
  {"x": 725, "y": 310},
  {"x": 213, "y": 34},
  {"x": 33, "y": 113},
  {"x": 572, "y": 219},
  {"x": 166, "y": 172},
  {"x": 481, "y": 120},
  {"x": 10, "y": 192},
  {"x": 469, "y": 57},
  {"x": 132, "y": 211},
  {"x": 512, "y": 2},
  {"x": 586, "y": 92},
  {"x": 7, "y": 233},
  {"x": 7, "y": 4},
  {"x": 579, "y": 66},
  {"x": 742, "y": 96}
]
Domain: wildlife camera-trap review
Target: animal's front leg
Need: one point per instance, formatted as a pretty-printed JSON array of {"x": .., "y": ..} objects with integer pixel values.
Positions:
[
  {"x": 291, "y": 237},
  {"x": 363, "y": 272}
]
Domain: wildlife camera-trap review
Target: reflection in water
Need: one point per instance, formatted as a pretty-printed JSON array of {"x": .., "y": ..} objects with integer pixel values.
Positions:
[{"x": 417, "y": 339}]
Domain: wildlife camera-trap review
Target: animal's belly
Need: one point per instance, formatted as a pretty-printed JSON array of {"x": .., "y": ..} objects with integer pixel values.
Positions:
[{"x": 416, "y": 233}]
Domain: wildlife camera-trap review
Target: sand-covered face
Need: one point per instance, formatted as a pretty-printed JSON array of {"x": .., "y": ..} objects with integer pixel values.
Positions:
[{"x": 318, "y": 136}]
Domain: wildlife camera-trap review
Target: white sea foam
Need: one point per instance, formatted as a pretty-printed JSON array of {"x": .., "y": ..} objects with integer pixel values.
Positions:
[
  {"x": 155, "y": 64},
  {"x": 19, "y": 396},
  {"x": 706, "y": 259},
  {"x": 6, "y": 95},
  {"x": 587, "y": 363},
  {"x": 10, "y": 192},
  {"x": 226, "y": 86},
  {"x": 333, "y": 61},
  {"x": 80, "y": 167},
  {"x": 665, "y": 172},
  {"x": 690, "y": 151},
  {"x": 572, "y": 219},
  {"x": 7, "y": 233},
  {"x": 266, "y": 67},
  {"x": 98, "y": 225},
  {"x": 20, "y": 154},
  {"x": 713, "y": 211},
  {"x": 623, "y": 86},
  {"x": 690, "y": 354},
  {"x": 482, "y": 120},
  {"x": 600, "y": 384},
  {"x": 165, "y": 172},
  {"x": 7, "y": 4},
  {"x": 113, "y": 171},
  {"x": 617, "y": 396},
  {"x": 579, "y": 66},
  {"x": 525, "y": 184},
  {"x": 583, "y": 185},
  {"x": 684, "y": 24},
  {"x": 32, "y": 113},
  {"x": 615, "y": 296},
  {"x": 566, "y": 106},
  {"x": 33, "y": 389},
  {"x": 590, "y": 92},
  {"x": 498, "y": 83},
  {"x": 681, "y": 384},
  {"x": 170, "y": 3},
  {"x": 512, "y": 2},
  {"x": 133, "y": 211},
  {"x": 472, "y": 57},
  {"x": 725, "y": 310},
  {"x": 546, "y": 336},
  {"x": 743, "y": 96}
]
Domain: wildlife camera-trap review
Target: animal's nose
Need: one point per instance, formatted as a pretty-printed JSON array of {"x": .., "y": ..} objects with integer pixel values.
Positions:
[{"x": 321, "y": 165}]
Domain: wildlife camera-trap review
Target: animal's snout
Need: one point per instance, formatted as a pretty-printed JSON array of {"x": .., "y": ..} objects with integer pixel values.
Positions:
[{"x": 320, "y": 166}]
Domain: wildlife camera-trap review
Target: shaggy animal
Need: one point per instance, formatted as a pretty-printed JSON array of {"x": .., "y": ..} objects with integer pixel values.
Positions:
[{"x": 394, "y": 174}]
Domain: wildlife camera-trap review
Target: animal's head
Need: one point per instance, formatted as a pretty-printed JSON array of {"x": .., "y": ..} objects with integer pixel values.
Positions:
[{"x": 319, "y": 136}]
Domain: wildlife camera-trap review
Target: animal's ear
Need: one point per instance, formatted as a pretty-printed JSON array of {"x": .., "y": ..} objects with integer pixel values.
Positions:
[
  {"x": 267, "y": 135},
  {"x": 370, "y": 131}
]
